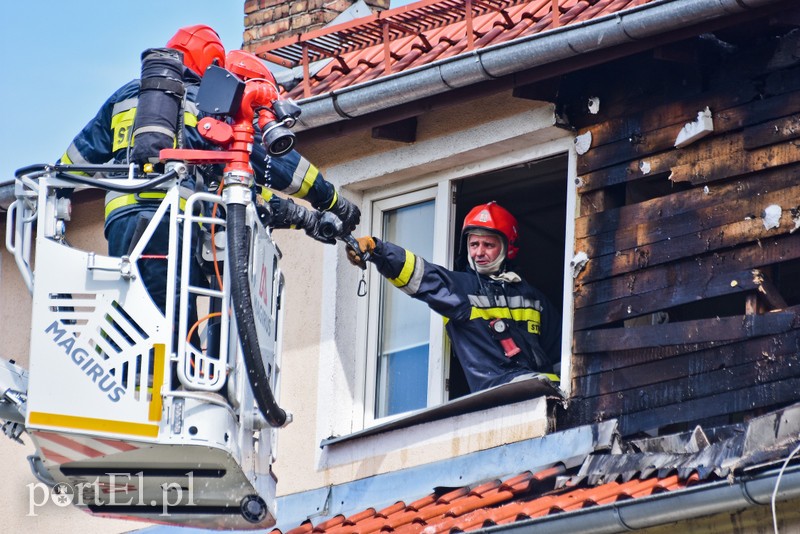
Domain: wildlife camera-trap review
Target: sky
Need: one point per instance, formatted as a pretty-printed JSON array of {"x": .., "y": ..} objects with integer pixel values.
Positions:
[{"x": 64, "y": 58}]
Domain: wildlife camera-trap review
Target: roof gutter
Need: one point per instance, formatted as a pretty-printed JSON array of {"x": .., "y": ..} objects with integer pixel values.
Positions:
[
  {"x": 633, "y": 25},
  {"x": 644, "y": 512},
  {"x": 7, "y": 195}
]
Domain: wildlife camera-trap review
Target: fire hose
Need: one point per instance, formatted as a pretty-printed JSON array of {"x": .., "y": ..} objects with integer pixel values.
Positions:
[{"x": 257, "y": 374}]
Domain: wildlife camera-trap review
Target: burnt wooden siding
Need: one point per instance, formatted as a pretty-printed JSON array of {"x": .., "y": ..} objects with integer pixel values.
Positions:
[{"x": 687, "y": 309}]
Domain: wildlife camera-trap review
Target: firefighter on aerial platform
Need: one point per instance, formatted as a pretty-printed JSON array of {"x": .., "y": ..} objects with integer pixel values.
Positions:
[
  {"x": 107, "y": 138},
  {"x": 500, "y": 327}
]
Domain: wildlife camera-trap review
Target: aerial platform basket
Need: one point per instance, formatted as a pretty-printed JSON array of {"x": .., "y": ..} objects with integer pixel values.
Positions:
[{"x": 137, "y": 420}]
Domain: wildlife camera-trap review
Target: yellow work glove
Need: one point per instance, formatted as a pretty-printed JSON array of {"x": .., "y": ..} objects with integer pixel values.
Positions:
[{"x": 366, "y": 245}]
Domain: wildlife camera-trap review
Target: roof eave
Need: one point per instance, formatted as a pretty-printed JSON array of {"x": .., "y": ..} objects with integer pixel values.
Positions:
[{"x": 635, "y": 25}]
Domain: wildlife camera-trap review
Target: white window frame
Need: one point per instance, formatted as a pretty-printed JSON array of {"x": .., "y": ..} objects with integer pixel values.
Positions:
[{"x": 435, "y": 389}]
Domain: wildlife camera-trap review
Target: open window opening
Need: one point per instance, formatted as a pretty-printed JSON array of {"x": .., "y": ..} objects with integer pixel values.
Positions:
[{"x": 536, "y": 194}]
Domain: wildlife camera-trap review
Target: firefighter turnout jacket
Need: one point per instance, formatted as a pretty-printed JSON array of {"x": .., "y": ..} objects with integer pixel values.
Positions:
[
  {"x": 470, "y": 303},
  {"x": 106, "y": 139}
]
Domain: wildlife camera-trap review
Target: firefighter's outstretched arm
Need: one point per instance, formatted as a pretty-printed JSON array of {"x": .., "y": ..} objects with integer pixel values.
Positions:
[
  {"x": 277, "y": 212},
  {"x": 294, "y": 175},
  {"x": 274, "y": 162}
]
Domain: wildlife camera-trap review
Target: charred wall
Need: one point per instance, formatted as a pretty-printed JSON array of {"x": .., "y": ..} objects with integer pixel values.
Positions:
[{"x": 687, "y": 309}]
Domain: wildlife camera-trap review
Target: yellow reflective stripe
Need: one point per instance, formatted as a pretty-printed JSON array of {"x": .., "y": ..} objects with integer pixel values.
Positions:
[
  {"x": 308, "y": 181},
  {"x": 517, "y": 314},
  {"x": 121, "y": 124},
  {"x": 95, "y": 425},
  {"x": 189, "y": 119},
  {"x": 129, "y": 200},
  {"x": 154, "y": 410},
  {"x": 406, "y": 272},
  {"x": 550, "y": 376},
  {"x": 266, "y": 193},
  {"x": 333, "y": 202},
  {"x": 66, "y": 160}
]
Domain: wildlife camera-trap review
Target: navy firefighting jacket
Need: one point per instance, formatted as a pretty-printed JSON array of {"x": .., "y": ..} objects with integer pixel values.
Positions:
[
  {"x": 106, "y": 139},
  {"x": 469, "y": 302}
]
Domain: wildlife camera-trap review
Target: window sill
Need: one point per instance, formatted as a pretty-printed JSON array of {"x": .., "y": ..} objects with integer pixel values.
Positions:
[{"x": 502, "y": 395}]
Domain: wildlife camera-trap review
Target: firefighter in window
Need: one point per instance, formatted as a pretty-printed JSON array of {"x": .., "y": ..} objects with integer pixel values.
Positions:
[
  {"x": 501, "y": 327},
  {"x": 107, "y": 138}
]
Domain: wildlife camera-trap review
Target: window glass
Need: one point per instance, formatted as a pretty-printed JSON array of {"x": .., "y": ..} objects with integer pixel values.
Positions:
[{"x": 404, "y": 328}]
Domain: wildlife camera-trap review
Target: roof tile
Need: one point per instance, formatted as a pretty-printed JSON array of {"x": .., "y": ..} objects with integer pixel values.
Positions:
[
  {"x": 361, "y": 516},
  {"x": 305, "y": 528},
  {"x": 393, "y": 509},
  {"x": 524, "y": 496},
  {"x": 330, "y": 523},
  {"x": 424, "y": 32}
]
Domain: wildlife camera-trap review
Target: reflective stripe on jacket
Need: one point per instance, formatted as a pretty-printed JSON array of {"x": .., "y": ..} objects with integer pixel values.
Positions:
[
  {"x": 294, "y": 175},
  {"x": 469, "y": 302}
]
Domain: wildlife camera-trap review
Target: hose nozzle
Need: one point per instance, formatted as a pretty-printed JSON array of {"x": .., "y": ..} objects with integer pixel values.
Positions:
[{"x": 330, "y": 226}]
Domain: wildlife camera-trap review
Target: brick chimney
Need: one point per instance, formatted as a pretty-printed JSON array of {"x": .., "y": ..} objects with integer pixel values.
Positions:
[{"x": 266, "y": 21}]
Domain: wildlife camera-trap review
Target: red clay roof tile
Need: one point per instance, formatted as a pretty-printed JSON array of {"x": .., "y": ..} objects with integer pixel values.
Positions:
[
  {"x": 330, "y": 523},
  {"x": 305, "y": 528},
  {"x": 494, "y": 502},
  {"x": 422, "y": 33},
  {"x": 361, "y": 516},
  {"x": 393, "y": 509}
]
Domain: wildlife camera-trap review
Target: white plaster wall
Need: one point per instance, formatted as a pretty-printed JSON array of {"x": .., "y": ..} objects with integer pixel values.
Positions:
[
  {"x": 434, "y": 441},
  {"x": 302, "y": 267}
]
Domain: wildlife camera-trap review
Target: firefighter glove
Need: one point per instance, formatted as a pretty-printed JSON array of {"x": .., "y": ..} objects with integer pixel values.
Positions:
[
  {"x": 348, "y": 213},
  {"x": 366, "y": 245},
  {"x": 287, "y": 214},
  {"x": 312, "y": 228}
]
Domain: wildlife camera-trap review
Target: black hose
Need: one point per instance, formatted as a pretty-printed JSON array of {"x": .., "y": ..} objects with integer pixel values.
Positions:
[
  {"x": 36, "y": 167},
  {"x": 78, "y": 179},
  {"x": 121, "y": 188},
  {"x": 238, "y": 248},
  {"x": 93, "y": 168}
]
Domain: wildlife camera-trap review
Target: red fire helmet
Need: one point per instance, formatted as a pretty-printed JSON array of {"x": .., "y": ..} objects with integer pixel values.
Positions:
[
  {"x": 247, "y": 66},
  {"x": 497, "y": 219},
  {"x": 200, "y": 45}
]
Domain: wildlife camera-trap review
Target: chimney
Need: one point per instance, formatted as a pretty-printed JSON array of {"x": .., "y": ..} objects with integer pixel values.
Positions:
[{"x": 266, "y": 21}]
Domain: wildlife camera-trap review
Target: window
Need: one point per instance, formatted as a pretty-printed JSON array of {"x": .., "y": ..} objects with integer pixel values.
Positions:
[
  {"x": 400, "y": 331},
  {"x": 403, "y": 338},
  {"x": 409, "y": 365}
]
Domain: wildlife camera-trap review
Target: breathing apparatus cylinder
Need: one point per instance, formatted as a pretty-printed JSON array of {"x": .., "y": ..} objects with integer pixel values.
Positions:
[{"x": 158, "y": 122}]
